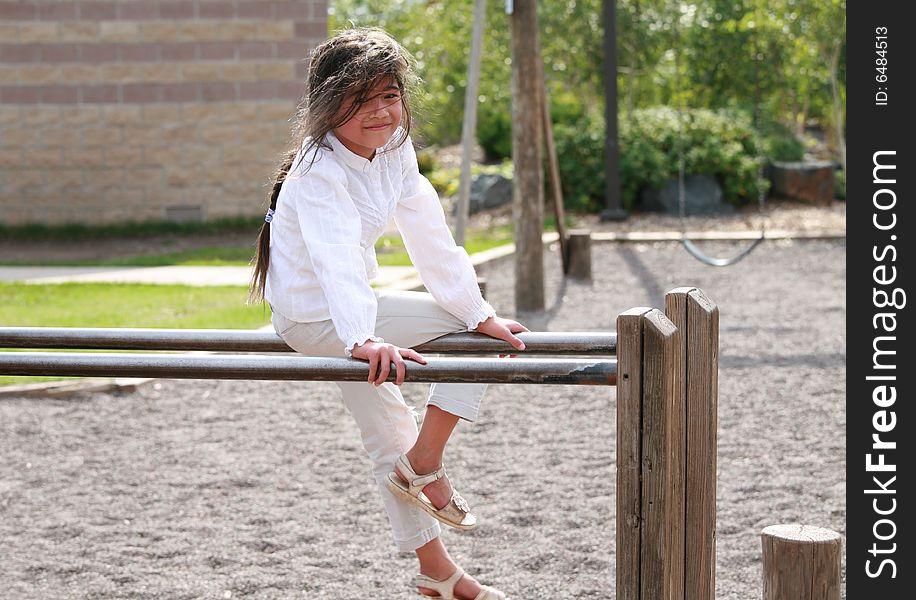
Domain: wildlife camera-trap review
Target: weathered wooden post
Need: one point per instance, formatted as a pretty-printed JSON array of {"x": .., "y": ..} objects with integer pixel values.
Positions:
[
  {"x": 579, "y": 255},
  {"x": 800, "y": 562},
  {"x": 650, "y": 457},
  {"x": 629, "y": 451},
  {"x": 663, "y": 550},
  {"x": 528, "y": 180},
  {"x": 698, "y": 319}
]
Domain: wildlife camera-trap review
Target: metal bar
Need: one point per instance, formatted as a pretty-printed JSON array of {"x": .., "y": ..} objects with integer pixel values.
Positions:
[
  {"x": 240, "y": 340},
  {"x": 301, "y": 368}
]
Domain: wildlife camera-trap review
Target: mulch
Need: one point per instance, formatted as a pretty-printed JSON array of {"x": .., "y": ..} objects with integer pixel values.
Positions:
[{"x": 237, "y": 489}]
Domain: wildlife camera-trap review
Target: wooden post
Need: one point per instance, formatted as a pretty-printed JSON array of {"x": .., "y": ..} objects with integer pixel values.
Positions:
[
  {"x": 613, "y": 204},
  {"x": 698, "y": 318},
  {"x": 667, "y": 392},
  {"x": 579, "y": 255},
  {"x": 553, "y": 170},
  {"x": 662, "y": 549},
  {"x": 528, "y": 181},
  {"x": 469, "y": 125},
  {"x": 800, "y": 563},
  {"x": 629, "y": 451}
]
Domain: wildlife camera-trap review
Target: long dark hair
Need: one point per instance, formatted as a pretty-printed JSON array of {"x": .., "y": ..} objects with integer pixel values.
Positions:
[{"x": 348, "y": 65}]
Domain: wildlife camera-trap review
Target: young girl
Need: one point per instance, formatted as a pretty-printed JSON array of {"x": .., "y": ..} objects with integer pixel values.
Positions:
[{"x": 351, "y": 167}]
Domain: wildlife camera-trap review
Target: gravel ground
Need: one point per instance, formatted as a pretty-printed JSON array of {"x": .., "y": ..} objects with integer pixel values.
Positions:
[{"x": 203, "y": 489}]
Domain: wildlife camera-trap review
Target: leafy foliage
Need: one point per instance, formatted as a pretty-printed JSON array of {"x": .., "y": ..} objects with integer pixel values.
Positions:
[
  {"x": 781, "y": 63},
  {"x": 652, "y": 144},
  {"x": 841, "y": 185}
]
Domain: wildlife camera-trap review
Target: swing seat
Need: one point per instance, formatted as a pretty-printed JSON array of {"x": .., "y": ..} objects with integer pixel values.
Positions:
[{"x": 694, "y": 250}]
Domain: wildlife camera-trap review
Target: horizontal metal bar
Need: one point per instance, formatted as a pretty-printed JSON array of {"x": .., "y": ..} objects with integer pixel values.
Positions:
[
  {"x": 301, "y": 368},
  {"x": 241, "y": 340}
]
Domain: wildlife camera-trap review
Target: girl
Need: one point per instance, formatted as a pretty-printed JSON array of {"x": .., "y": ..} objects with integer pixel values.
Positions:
[{"x": 350, "y": 168}]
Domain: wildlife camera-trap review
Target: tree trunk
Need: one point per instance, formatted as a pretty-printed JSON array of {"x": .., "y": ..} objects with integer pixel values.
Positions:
[
  {"x": 528, "y": 182},
  {"x": 837, "y": 104}
]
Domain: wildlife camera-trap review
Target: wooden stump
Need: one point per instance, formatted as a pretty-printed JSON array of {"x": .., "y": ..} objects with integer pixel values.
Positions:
[
  {"x": 800, "y": 562},
  {"x": 579, "y": 258},
  {"x": 811, "y": 182}
]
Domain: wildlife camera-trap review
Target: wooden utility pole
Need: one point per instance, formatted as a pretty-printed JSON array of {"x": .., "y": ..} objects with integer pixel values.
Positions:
[
  {"x": 528, "y": 188},
  {"x": 469, "y": 126},
  {"x": 614, "y": 209}
]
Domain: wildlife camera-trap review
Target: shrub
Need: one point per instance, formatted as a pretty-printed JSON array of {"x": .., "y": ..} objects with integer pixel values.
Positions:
[
  {"x": 494, "y": 122},
  {"x": 722, "y": 144},
  {"x": 580, "y": 157},
  {"x": 447, "y": 181},
  {"x": 426, "y": 161},
  {"x": 840, "y": 185},
  {"x": 718, "y": 143},
  {"x": 780, "y": 143},
  {"x": 494, "y": 131}
]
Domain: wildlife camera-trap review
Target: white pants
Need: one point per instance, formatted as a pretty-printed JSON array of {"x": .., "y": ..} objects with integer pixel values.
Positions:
[{"x": 386, "y": 422}]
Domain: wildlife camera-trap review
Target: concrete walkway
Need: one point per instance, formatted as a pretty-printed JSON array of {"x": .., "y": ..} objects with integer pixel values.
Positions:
[
  {"x": 404, "y": 278},
  {"x": 198, "y": 276}
]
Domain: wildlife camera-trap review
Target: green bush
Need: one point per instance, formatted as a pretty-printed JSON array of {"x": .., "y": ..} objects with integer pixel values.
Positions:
[
  {"x": 718, "y": 143},
  {"x": 494, "y": 131},
  {"x": 580, "y": 157},
  {"x": 722, "y": 144},
  {"x": 447, "y": 181},
  {"x": 494, "y": 123},
  {"x": 840, "y": 185},
  {"x": 426, "y": 161},
  {"x": 780, "y": 143}
]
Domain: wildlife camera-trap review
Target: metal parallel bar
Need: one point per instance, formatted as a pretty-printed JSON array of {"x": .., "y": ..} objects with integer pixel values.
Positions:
[
  {"x": 231, "y": 340},
  {"x": 301, "y": 368}
]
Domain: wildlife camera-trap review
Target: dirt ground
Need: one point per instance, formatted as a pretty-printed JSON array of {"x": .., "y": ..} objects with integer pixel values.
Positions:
[{"x": 221, "y": 489}]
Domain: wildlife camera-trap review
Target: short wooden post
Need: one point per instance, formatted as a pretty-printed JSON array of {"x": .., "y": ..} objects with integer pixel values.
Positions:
[
  {"x": 800, "y": 562},
  {"x": 579, "y": 255},
  {"x": 698, "y": 318},
  {"x": 662, "y": 550},
  {"x": 629, "y": 450}
]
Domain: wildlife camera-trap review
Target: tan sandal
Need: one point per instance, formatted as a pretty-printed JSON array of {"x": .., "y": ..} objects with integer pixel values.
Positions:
[
  {"x": 456, "y": 513},
  {"x": 446, "y": 588}
]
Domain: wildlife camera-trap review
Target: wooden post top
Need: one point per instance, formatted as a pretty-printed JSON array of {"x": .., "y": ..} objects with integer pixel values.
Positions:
[{"x": 804, "y": 534}]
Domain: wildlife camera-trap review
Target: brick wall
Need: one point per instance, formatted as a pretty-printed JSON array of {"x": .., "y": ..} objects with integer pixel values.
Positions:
[{"x": 145, "y": 110}]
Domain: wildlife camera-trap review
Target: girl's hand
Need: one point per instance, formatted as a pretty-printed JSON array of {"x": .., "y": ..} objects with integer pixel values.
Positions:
[
  {"x": 502, "y": 329},
  {"x": 380, "y": 356}
]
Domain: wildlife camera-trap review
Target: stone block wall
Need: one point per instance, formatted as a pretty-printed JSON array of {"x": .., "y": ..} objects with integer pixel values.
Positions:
[{"x": 139, "y": 110}]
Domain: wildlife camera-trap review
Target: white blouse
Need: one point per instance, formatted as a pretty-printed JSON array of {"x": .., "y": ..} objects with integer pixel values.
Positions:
[{"x": 323, "y": 234}]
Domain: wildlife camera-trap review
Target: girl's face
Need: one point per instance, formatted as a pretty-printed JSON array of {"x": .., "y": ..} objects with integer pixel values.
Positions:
[{"x": 374, "y": 122}]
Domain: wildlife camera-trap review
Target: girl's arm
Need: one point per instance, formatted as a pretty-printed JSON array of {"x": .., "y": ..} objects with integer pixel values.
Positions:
[{"x": 444, "y": 267}]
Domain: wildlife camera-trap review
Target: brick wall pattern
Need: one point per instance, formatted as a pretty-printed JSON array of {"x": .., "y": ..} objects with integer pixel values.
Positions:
[{"x": 140, "y": 110}]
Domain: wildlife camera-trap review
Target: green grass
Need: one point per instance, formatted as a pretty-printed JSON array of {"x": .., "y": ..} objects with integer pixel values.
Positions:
[
  {"x": 213, "y": 256},
  {"x": 390, "y": 249},
  {"x": 78, "y": 232},
  {"x": 126, "y": 305}
]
